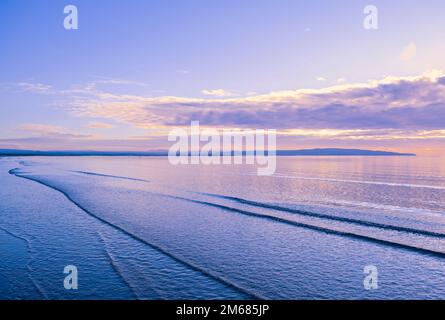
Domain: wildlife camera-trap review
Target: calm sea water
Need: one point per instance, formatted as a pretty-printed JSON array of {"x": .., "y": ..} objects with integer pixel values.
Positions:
[{"x": 138, "y": 227}]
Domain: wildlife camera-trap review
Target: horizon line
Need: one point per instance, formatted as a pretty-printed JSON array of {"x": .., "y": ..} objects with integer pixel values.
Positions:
[{"x": 280, "y": 152}]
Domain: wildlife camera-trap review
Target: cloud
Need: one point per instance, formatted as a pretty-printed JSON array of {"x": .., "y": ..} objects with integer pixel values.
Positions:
[
  {"x": 34, "y": 87},
  {"x": 120, "y": 82},
  {"x": 50, "y": 131},
  {"x": 99, "y": 125},
  {"x": 402, "y": 103},
  {"x": 341, "y": 80},
  {"x": 320, "y": 78},
  {"x": 391, "y": 111},
  {"x": 392, "y": 108},
  {"x": 100, "y": 81},
  {"x": 216, "y": 93},
  {"x": 409, "y": 52}
]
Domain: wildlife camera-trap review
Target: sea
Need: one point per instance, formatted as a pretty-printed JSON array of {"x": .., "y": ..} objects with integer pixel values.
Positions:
[{"x": 320, "y": 227}]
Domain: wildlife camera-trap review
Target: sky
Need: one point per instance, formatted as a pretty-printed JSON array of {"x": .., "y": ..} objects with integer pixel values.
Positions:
[{"x": 135, "y": 70}]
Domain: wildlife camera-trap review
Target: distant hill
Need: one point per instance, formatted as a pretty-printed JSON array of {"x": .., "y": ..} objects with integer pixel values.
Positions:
[
  {"x": 339, "y": 152},
  {"x": 303, "y": 152}
]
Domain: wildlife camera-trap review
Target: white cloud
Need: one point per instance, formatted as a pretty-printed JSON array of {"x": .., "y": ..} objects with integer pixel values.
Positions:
[
  {"x": 389, "y": 103},
  {"x": 35, "y": 87},
  {"x": 122, "y": 82},
  {"x": 216, "y": 93},
  {"x": 392, "y": 109},
  {"x": 320, "y": 78},
  {"x": 101, "y": 81}
]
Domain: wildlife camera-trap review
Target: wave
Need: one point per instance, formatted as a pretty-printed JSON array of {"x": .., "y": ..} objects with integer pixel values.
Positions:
[
  {"x": 391, "y": 184},
  {"x": 321, "y": 229},
  {"x": 299, "y": 212},
  {"x": 330, "y": 217},
  {"x": 110, "y": 176},
  {"x": 307, "y": 213},
  {"x": 116, "y": 269},
  {"x": 188, "y": 264},
  {"x": 380, "y": 183},
  {"x": 29, "y": 259},
  {"x": 276, "y": 219},
  {"x": 388, "y": 207}
]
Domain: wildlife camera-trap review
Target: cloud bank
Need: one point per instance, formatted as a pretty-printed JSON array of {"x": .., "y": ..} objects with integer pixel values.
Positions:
[
  {"x": 393, "y": 103},
  {"x": 400, "y": 113}
]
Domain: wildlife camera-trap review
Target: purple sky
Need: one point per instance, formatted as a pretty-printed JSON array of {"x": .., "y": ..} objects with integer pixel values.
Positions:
[{"x": 133, "y": 72}]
